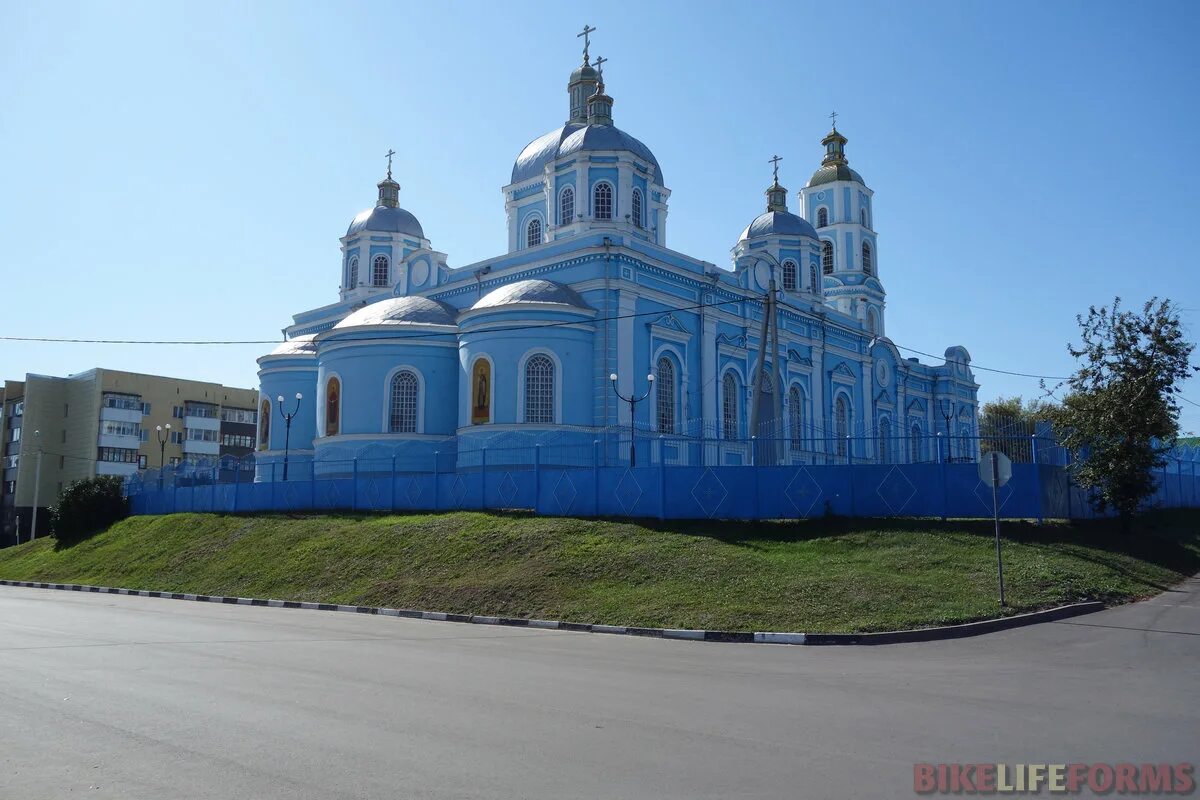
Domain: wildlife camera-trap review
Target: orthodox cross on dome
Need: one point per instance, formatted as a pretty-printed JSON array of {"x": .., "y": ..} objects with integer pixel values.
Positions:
[
  {"x": 774, "y": 160},
  {"x": 599, "y": 67},
  {"x": 586, "y": 34},
  {"x": 833, "y": 116},
  {"x": 389, "y": 155}
]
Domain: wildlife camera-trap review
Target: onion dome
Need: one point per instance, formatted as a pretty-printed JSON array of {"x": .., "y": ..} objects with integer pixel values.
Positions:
[
  {"x": 834, "y": 167},
  {"x": 534, "y": 291},
  {"x": 387, "y": 216},
  {"x": 778, "y": 221},
  {"x": 410, "y": 310}
]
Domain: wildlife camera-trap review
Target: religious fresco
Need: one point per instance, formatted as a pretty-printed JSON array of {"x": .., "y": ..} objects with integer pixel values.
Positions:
[{"x": 481, "y": 392}]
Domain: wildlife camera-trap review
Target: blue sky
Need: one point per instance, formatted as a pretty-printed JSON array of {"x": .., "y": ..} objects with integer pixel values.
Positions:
[{"x": 184, "y": 170}]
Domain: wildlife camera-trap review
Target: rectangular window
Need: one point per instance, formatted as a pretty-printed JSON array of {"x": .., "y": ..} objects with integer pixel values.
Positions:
[
  {"x": 245, "y": 415},
  {"x": 177, "y": 412},
  {"x": 201, "y": 435},
  {"x": 16, "y": 435},
  {"x": 12, "y": 461},
  {"x": 176, "y": 437},
  {"x": 145, "y": 409},
  {"x": 141, "y": 462},
  {"x": 130, "y": 402},
  {"x": 118, "y": 455},
  {"x": 114, "y": 428},
  {"x": 206, "y": 410},
  {"x": 19, "y": 409}
]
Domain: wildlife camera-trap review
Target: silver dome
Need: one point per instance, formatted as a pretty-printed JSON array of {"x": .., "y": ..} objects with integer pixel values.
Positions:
[
  {"x": 299, "y": 346},
  {"x": 387, "y": 220},
  {"x": 575, "y": 137},
  {"x": 402, "y": 311},
  {"x": 778, "y": 223},
  {"x": 532, "y": 291}
]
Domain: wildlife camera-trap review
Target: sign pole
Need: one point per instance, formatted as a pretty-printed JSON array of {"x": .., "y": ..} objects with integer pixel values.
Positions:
[{"x": 996, "y": 517}]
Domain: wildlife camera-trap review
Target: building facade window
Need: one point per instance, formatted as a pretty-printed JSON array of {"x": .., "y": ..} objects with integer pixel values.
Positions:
[
  {"x": 636, "y": 201},
  {"x": 664, "y": 385},
  {"x": 236, "y": 440},
  {"x": 872, "y": 322},
  {"x": 129, "y": 402},
  {"x": 602, "y": 201},
  {"x": 862, "y": 217},
  {"x": 827, "y": 257},
  {"x": 113, "y": 428},
  {"x": 796, "y": 418},
  {"x": 379, "y": 271},
  {"x": 841, "y": 424},
  {"x": 402, "y": 405},
  {"x": 352, "y": 273},
  {"x": 729, "y": 406},
  {"x": 866, "y": 257},
  {"x": 789, "y": 276},
  {"x": 914, "y": 444},
  {"x": 244, "y": 415},
  {"x": 813, "y": 286},
  {"x": 566, "y": 206},
  {"x": 885, "y": 441},
  {"x": 539, "y": 390},
  {"x": 822, "y": 217},
  {"x": 333, "y": 407},
  {"x": 264, "y": 425},
  {"x": 118, "y": 455},
  {"x": 202, "y": 435},
  {"x": 533, "y": 233}
]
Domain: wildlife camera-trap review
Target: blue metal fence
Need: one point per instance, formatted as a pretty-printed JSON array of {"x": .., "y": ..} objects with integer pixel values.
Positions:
[{"x": 671, "y": 478}]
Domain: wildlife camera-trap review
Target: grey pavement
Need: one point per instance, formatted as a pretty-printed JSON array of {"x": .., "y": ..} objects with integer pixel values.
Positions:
[{"x": 107, "y": 696}]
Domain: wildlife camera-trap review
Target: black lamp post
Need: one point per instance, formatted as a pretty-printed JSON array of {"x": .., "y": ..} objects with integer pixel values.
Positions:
[
  {"x": 947, "y": 411},
  {"x": 162, "y": 449},
  {"x": 633, "y": 401},
  {"x": 287, "y": 427}
]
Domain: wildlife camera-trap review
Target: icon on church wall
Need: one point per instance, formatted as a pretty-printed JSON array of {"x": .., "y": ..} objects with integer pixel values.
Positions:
[
  {"x": 333, "y": 406},
  {"x": 481, "y": 392},
  {"x": 264, "y": 421}
]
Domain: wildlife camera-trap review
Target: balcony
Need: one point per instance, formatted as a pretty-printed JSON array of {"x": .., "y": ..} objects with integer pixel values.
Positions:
[
  {"x": 120, "y": 414},
  {"x": 115, "y": 468},
  {"x": 198, "y": 448},
  {"x": 202, "y": 423},
  {"x": 124, "y": 442}
]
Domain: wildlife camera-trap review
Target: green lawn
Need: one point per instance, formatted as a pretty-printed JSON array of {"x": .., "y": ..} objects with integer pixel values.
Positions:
[{"x": 839, "y": 575}]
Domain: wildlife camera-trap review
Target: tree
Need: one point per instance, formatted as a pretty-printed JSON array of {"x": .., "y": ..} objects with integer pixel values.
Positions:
[
  {"x": 1007, "y": 425},
  {"x": 1120, "y": 416},
  {"x": 88, "y": 506}
]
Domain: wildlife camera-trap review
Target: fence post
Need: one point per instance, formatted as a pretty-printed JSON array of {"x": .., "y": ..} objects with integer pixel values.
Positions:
[
  {"x": 354, "y": 486},
  {"x": 662, "y": 480},
  {"x": 436, "y": 454},
  {"x": 537, "y": 477},
  {"x": 942, "y": 470},
  {"x": 482, "y": 478},
  {"x": 1037, "y": 476},
  {"x": 596, "y": 475}
]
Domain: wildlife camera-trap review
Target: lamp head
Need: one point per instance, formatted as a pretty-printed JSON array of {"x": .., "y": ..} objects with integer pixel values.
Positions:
[
  {"x": 158, "y": 428},
  {"x": 613, "y": 377},
  {"x": 650, "y": 377},
  {"x": 279, "y": 399},
  {"x": 168, "y": 426},
  {"x": 299, "y": 396}
]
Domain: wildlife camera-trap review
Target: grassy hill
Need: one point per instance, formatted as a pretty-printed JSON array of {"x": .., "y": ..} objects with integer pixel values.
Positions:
[{"x": 840, "y": 575}]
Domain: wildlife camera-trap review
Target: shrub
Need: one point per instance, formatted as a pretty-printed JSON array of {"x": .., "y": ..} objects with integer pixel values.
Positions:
[{"x": 87, "y": 507}]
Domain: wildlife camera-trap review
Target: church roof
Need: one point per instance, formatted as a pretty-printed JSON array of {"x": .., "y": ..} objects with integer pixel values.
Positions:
[
  {"x": 386, "y": 220},
  {"x": 402, "y": 311},
  {"x": 835, "y": 172},
  {"x": 298, "y": 346},
  {"x": 532, "y": 291},
  {"x": 778, "y": 223},
  {"x": 575, "y": 137}
]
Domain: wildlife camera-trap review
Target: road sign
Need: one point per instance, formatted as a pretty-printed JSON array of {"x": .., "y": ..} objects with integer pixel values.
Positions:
[{"x": 1002, "y": 466}]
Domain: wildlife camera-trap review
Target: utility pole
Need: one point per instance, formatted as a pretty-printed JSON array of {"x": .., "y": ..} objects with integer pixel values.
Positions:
[{"x": 765, "y": 331}]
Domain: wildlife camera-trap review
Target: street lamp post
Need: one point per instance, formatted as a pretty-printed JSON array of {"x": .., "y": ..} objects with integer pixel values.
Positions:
[
  {"x": 946, "y": 407},
  {"x": 162, "y": 450},
  {"x": 37, "y": 483},
  {"x": 287, "y": 428},
  {"x": 633, "y": 401}
]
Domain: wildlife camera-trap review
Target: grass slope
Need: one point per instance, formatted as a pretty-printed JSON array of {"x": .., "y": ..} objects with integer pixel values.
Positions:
[{"x": 840, "y": 575}]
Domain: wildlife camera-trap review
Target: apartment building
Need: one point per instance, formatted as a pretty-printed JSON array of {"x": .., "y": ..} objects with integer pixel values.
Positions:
[{"x": 105, "y": 422}]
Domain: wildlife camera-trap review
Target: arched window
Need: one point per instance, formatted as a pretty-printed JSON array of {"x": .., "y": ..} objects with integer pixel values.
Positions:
[
  {"x": 885, "y": 441},
  {"x": 602, "y": 201},
  {"x": 402, "y": 405},
  {"x": 866, "y": 257},
  {"x": 637, "y": 207},
  {"x": 352, "y": 277},
  {"x": 822, "y": 217},
  {"x": 566, "y": 206},
  {"x": 729, "y": 406},
  {"x": 533, "y": 232},
  {"x": 379, "y": 271},
  {"x": 789, "y": 276},
  {"x": 872, "y": 322},
  {"x": 333, "y": 407},
  {"x": 827, "y": 257},
  {"x": 813, "y": 286},
  {"x": 539, "y": 390},
  {"x": 796, "y": 418},
  {"x": 664, "y": 385},
  {"x": 914, "y": 444},
  {"x": 264, "y": 425},
  {"x": 862, "y": 217},
  {"x": 841, "y": 423}
]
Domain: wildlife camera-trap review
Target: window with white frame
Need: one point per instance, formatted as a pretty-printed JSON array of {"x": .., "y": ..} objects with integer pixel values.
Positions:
[
  {"x": 566, "y": 206},
  {"x": 813, "y": 286},
  {"x": 729, "y": 406},
  {"x": 841, "y": 423},
  {"x": 352, "y": 273},
  {"x": 822, "y": 217},
  {"x": 827, "y": 257},
  {"x": 533, "y": 232},
  {"x": 539, "y": 390},
  {"x": 636, "y": 200},
  {"x": 789, "y": 276},
  {"x": 602, "y": 201},
  {"x": 379, "y": 271},
  {"x": 885, "y": 441},
  {"x": 866, "y": 257},
  {"x": 914, "y": 444},
  {"x": 402, "y": 408},
  {"x": 796, "y": 418},
  {"x": 872, "y": 321},
  {"x": 664, "y": 385}
]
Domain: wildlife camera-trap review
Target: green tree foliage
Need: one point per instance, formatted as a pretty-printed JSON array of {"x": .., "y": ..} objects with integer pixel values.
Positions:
[
  {"x": 1120, "y": 416},
  {"x": 1007, "y": 425},
  {"x": 87, "y": 507}
]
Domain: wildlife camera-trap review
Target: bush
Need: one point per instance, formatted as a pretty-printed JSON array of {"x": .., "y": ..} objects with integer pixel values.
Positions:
[{"x": 87, "y": 507}]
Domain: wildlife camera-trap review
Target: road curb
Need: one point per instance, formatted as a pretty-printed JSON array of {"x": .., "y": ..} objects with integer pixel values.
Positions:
[{"x": 743, "y": 637}]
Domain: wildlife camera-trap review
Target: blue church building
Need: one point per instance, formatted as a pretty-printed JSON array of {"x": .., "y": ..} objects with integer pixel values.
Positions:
[{"x": 589, "y": 305}]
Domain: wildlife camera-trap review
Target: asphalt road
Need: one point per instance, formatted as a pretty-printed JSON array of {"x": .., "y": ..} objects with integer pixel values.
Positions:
[{"x": 125, "y": 697}]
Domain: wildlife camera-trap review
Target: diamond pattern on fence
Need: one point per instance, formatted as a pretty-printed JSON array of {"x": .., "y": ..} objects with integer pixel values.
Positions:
[
  {"x": 803, "y": 491},
  {"x": 414, "y": 491},
  {"x": 1057, "y": 497},
  {"x": 896, "y": 490},
  {"x": 565, "y": 493},
  {"x": 374, "y": 495},
  {"x": 458, "y": 491},
  {"x": 709, "y": 492},
  {"x": 984, "y": 493},
  {"x": 507, "y": 489},
  {"x": 628, "y": 491}
]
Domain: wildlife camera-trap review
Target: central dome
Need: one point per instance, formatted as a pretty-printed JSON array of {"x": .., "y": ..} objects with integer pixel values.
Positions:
[
  {"x": 411, "y": 310},
  {"x": 386, "y": 219},
  {"x": 578, "y": 137},
  {"x": 779, "y": 223},
  {"x": 531, "y": 291}
]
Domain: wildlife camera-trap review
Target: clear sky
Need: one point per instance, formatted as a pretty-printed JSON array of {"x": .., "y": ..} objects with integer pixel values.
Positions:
[{"x": 176, "y": 170}]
